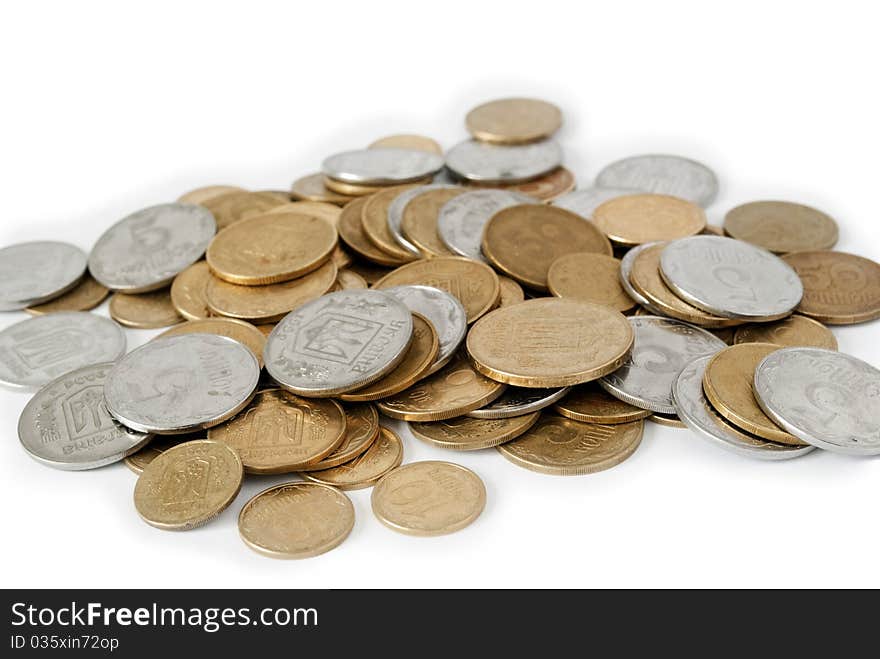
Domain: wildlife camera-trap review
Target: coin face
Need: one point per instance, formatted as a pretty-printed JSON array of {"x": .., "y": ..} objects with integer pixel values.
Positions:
[
  {"x": 243, "y": 332},
  {"x": 550, "y": 342},
  {"x": 34, "y": 273},
  {"x": 351, "y": 231},
  {"x": 516, "y": 401},
  {"x": 523, "y": 241},
  {"x": 144, "y": 310},
  {"x": 511, "y": 292},
  {"x": 643, "y": 218},
  {"x": 188, "y": 291},
  {"x": 469, "y": 434},
  {"x": 563, "y": 447},
  {"x": 188, "y": 485},
  {"x": 340, "y": 342},
  {"x": 662, "y": 174},
  {"x": 781, "y": 226},
  {"x": 296, "y": 520},
  {"x": 585, "y": 202},
  {"x": 361, "y": 430},
  {"x": 545, "y": 188},
  {"x": 385, "y": 454},
  {"x": 201, "y": 195},
  {"x": 513, "y": 120},
  {"x": 408, "y": 142},
  {"x": 661, "y": 349},
  {"x": 429, "y": 498},
  {"x": 397, "y": 208},
  {"x": 839, "y": 288},
  {"x": 375, "y": 219},
  {"x": 419, "y": 222},
  {"x": 232, "y": 207},
  {"x": 490, "y": 163},
  {"x": 590, "y": 277},
  {"x": 696, "y": 412},
  {"x": 312, "y": 188},
  {"x": 181, "y": 383},
  {"x": 592, "y": 404},
  {"x": 788, "y": 332},
  {"x": 86, "y": 295},
  {"x": 146, "y": 250},
  {"x": 730, "y": 278},
  {"x": 38, "y": 350},
  {"x": 387, "y": 166}
]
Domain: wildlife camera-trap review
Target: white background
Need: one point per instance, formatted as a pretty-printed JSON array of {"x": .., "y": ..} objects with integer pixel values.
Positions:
[{"x": 107, "y": 109}]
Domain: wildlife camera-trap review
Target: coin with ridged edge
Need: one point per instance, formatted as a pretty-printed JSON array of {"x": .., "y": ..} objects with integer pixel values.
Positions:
[
  {"x": 385, "y": 454},
  {"x": 36, "y": 272},
  {"x": 592, "y": 404},
  {"x": 469, "y": 434}
]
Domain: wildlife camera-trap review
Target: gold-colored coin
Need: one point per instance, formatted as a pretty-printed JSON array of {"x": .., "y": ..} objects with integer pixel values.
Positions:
[
  {"x": 201, "y": 195},
  {"x": 511, "y": 292},
  {"x": 522, "y": 241},
  {"x": 669, "y": 420},
  {"x": 296, "y": 520},
  {"x": 312, "y": 188},
  {"x": 358, "y": 190},
  {"x": 351, "y": 231},
  {"x": 712, "y": 230},
  {"x": 268, "y": 304},
  {"x": 139, "y": 460},
  {"x": 327, "y": 212},
  {"x": 788, "y": 332},
  {"x": 781, "y": 226},
  {"x": 361, "y": 430},
  {"x": 188, "y": 291},
  {"x": 385, "y": 454},
  {"x": 369, "y": 271},
  {"x": 546, "y": 188},
  {"x": 419, "y": 223},
  {"x": 233, "y": 207},
  {"x": 644, "y": 218},
  {"x": 467, "y": 434},
  {"x": 590, "y": 277},
  {"x": 86, "y": 295},
  {"x": 144, "y": 310},
  {"x": 374, "y": 218},
  {"x": 429, "y": 498},
  {"x": 188, "y": 485},
  {"x": 341, "y": 258},
  {"x": 474, "y": 284},
  {"x": 513, "y": 120},
  {"x": 239, "y": 330},
  {"x": 280, "y": 432},
  {"x": 283, "y": 197},
  {"x": 839, "y": 288},
  {"x": 727, "y": 384},
  {"x": 563, "y": 447},
  {"x": 413, "y": 142},
  {"x": 454, "y": 390},
  {"x": 592, "y": 404},
  {"x": 417, "y": 362},
  {"x": 348, "y": 279},
  {"x": 266, "y": 328},
  {"x": 550, "y": 342}
]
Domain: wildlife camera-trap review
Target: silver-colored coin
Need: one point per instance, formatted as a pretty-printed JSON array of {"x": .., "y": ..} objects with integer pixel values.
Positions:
[
  {"x": 490, "y": 163},
  {"x": 33, "y": 273},
  {"x": 442, "y": 310},
  {"x": 826, "y": 398},
  {"x": 179, "y": 384},
  {"x": 730, "y": 278},
  {"x": 626, "y": 265},
  {"x": 699, "y": 415},
  {"x": 339, "y": 342},
  {"x": 398, "y": 206},
  {"x": 584, "y": 202},
  {"x": 461, "y": 220},
  {"x": 662, "y": 174},
  {"x": 662, "y": 347},
  {"x": 148, "y": 249},
  {"x": 66, "y": 424},
  {"x": 381, "y": 166},
  {"x": 516, "y": 401},
  {"x": 37, "y": 350}
]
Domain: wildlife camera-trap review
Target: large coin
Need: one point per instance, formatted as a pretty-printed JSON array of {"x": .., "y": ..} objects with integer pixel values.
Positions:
[
  {"x": 419, "y": 223},
  {"x": 33, "y": 273},
  {"x": 516, "y": 401},
  {"x": 662, "y": 174},
  {"x": 794, "y": 331},
  {"x": 488, "y": 163},
  {"x": 239, "y": 330},
  {"x": 397, "y": 208},
  {"x": 144, "y": 310},
  {"x": 385, "y": 454},
  {"x": 643, "y": 218},
  {"x": 86, "y": 295},
  {"x": 592, "y": 404},
  {"x": 781, "y": 226},
  {"x": 469, "y": 434},
  {"x": 188, "y": 292},
  {"x": 585, "y": 202},
  {"x": 381, "y": 166},
  {"x": 513, "y": 120},
  {"x": 361, "y": 430},
  {"x": 590, "y": 277}
]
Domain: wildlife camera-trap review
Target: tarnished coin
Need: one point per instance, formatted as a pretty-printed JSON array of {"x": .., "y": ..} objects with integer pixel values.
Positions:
[
  {"x": 382, "y": 166},
  {"x": 429, "y": 498},
  {"x": 385, "y": 454},
  {"x": 592, "y": 404},
  {"x": 668, "y": 420},
  {"x": 419, "y": 221},
  {"x": 544, "y": 188},
  {"x": 781, "y": 226},
  {"x": 37, "y": 350},
  {"x": 563, "y": 447},
  {"x": 34, "y": 273},
  {"x": 348, "y": 279},
  {"x": 233, "y": 207},
  {"x": 839, "y": 288},
  {"x": 662, "y": 174},
  {"x": 489, "y": 163},
  {"x": 239, "y": 330},
  {"x": 148, "y": 249},
  {"x": 661, "y": 349},
  {"x": 788, "y": 332},
  {"x": 513, "y": 120},
  {"x": 825, "y": 398},
  {"x": 585, "y": 202},
  {"x": 361, "y": 430},
  {"x": 188, "y": 292},
  {"x": 86, "y": 295},
  {"x": 408, "y": 142},
  {"x": 730, "y": 278},
  {"x": 296, "y": 520},
  {"x": 469, "y": 434},
  {"x": 340, "y": 342},
  {"x": 590, "y": 277},
  {"x": 644, "y": 218},
  {"x": 181, "y": 383},
  {"x": 397, "y": 207},
  {"x": 375, "y": 221},
  {"x": 523, "y": 241},
  {"x": 516, "y": 401},
  {"x": 188, "y": 485},
  {"x": 144, "y": 310},
  {"x": 351, "y": 231},
  {"x": 550, "y": 342},
  {"x": 511, "y": 292},
  {"x": 138, "y": 461},
  {"x": 312, "y": 188},
  {"x": 696, "y": 412},
  {"x": 66, "y": 425}
]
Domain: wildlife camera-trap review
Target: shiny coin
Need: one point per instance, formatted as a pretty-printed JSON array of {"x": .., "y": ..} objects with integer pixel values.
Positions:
[
  {"x": 626, "y": 265},
  {"x": 86, "y": 295},
  {"x": 382, "y": 166},
  {"x": 419, "y": 221},
  {"x": 488, "y": 163},
  {"x": 34, "y": 273},
  {"x": 146, "y": 250},
  {"x": 662, "y": 348},
  {"x": 353, "y": 190},
  {"x": 408, "y": 142},
  {"x": 550, "y": 342},
  {"x": 312, "y": 188},
  {"x": 513, "y": 120},
  {"x": 781, "y": 226},
  {"x": 397, "y": 208},
  {"x": 662, "y": 174},
  {"x": 366, "y": 470},
  {"x": 144, "y": 310},
  {"x": 788, "y": 332},
  {"x": 469, "y": 434},
  {"x": 233, "y": 207},
  {"x": 188, "y": 291},
  {"x": 239, "y": 330},
  {"x": 590, "y": 277},
  {"x": 41, "y": 349},
  {"x": 669, "y": 420},
  {"x": 201, "y": 195},
  {"x": 643, "y": 218},
  {"x": 511, "y": 292},
  {"x": 731, "y": 278},
  {"x": 349, "y": 279},
  {"x": 545, "y": 188},
  {"x": 188, "y": 485},
  {"x": 825, "y": 398},
  {"x": 361, "y": 430},
  {"x": 592, "y": 404},
  {"x": 585, "y": 202},
  {"x": 351, "y": 231},
  {"x": 375, "y": 221},
  {"x": 429, "y": 498},
  {"x": 66, "y": 426},
  {"x": 516, "y": 401},
  {"x": 181, "y": 383}
]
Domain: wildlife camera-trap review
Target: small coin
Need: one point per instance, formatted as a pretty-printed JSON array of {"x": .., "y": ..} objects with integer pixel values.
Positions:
[
  {"x": 327, "y": 212},
  {"x": 188, "y": 485},
  {"x": 86, "y": 295},
  {"x": 361, "y": 430},
  {"x": 408, "y": 142},
  {"x": 513, "y": 120},
  {"x": 546, "y": 188},
  {"x": 511, "y": 292},
  {"x": 239, "y": 330},
  {"x": 349, "y": 279},
  {"x": 590, "y": 277},
  {"x": 181, "y": 383},
  {"x": 233, "y": 207},
  {"x": 670, "y": 420},
  {"x": 201, "y": 195},
  {"x": 626, "y": 265},
  {"x": 375, "y": 217},
  {"x": 381, "y": 166},
  {"x": 469, "y": 434},
  {"x": 592, "y": 404},
  {"x": 516, "y": 401},
  {"x": 662, "y": 347},
  {"x": 429, "y": 498},
  {"x": 839, "y": 288},
  {"x": 144, "y": 310},
  {"x": 550, "y": 342},
  {"x": 419, "y": 221},
  {"x": 489, "y": 163},
  {"x": 643, "y": 218},
  {"x": 353, "y": 190},
  {"x": 788, "y": 332},
  {"x": 312, "y": 188},
  {"x": 38, "y": 350},
  {"x": 351, "y": 231},
  {"x": 781, "y": 226},
  {"x": 188, "y": 291},
  {"x": 138, "y": 461},
  {"x": 564, "y": 447},
  {"x": 37, "y": 272},
  {"x": 825, "y": 398},
  {"x": 585, "y": 202},
  {"x": 397, "y": 208},
  {"x": 662, "y": 174},
  {"x": 385, "y": 454}
]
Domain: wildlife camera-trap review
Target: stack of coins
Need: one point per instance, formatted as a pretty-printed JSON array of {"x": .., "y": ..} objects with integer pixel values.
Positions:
[{"x": 477, "y": 297}]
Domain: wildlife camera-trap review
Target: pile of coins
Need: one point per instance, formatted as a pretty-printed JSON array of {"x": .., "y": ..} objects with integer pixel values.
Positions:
[{"x": 478, "y": 297}]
